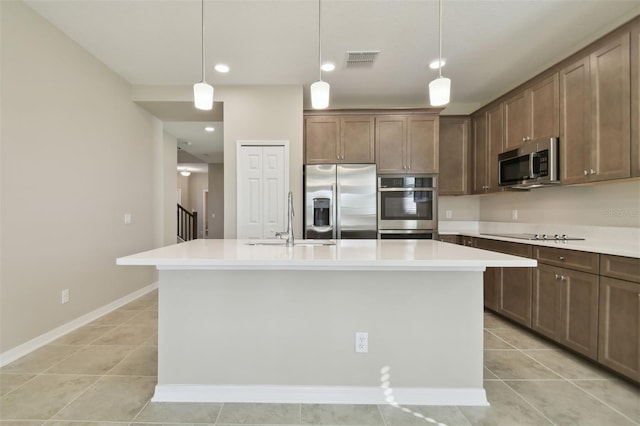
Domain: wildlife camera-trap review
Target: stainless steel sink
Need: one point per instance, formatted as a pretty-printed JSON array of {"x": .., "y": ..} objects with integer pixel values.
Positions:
[{"x": 283, "y": 243}]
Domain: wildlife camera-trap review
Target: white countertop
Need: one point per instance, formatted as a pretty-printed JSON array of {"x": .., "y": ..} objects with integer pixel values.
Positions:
[
  {"x": 618, "y": 248},
  {"x": 389, "y": 255}
]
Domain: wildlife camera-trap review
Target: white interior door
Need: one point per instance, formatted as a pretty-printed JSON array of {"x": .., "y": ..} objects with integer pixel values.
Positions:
[{"x": 262, "y": 189}]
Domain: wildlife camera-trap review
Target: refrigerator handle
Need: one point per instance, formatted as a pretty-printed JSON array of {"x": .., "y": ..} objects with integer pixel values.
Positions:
[{"x": 336, "y": 203}]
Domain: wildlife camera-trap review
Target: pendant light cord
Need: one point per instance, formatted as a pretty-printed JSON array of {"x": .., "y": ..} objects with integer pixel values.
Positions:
[
  {"x": 202, "y": 44},
  {"x": 319, "y": 41},
  {"x": 440, "y": 38}
]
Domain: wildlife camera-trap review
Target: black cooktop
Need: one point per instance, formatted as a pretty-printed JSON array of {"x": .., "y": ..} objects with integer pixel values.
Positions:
[{"x": 539, "y": 237}]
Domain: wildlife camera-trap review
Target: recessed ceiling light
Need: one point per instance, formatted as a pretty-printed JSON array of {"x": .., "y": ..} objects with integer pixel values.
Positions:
[
  {"x": 209, "y": 129},
  {"x": 435, "y": 64},
  {"x": 328, "y": 67},
  {"x": 223, "y": 68}
]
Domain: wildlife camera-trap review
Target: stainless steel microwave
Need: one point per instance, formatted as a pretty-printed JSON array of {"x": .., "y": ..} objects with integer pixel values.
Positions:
[{"x": 532, "y": 165}]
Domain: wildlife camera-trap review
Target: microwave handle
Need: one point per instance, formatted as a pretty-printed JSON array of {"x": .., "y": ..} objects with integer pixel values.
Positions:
[{"x": 532, "y": 173}]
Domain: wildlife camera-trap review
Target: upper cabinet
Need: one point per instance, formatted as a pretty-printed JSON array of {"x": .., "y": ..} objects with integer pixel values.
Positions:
[
  {"x": 339, "y": 139},
  {"x": 454, "y": 157},
  {"x": 407, "y": 144},
  {"x": 595, "y": 114},
  {"x": 532, "y": 113},
  {"x": 487, "y": 144}
]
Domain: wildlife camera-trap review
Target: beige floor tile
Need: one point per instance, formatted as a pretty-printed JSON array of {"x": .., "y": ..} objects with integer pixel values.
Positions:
[
  {"x": 43, "y": 396},
  {"x": 565, "y": 404},
  {"x": 84, "y": 335},
  {"x": 522, "y": 339},
  {"x": 241, "y": 413},
  {"x": 59, "y": 423},
  {"x": 330, "y": 414},
  {"x": 414, "y": 415},
  {"x": 619, "y": 394},
  {"x": 141, "y": 362},
  {"x": 38, "y": 361},
  {"x": 179, "y": 412},
  {"x": 9, "y": 382},
  {"x": 20, "y": 423},
  {"x": 112, "y": 398},
  {"x": 92, "y": 360},
  {"x": 494, "y": 321},
  {"x": 567, "y": 365},
  {"x": 117, "y": 317},
  {"x": 125, "y": 335},
  {"x": 488, "y": 375},
  {"x": 515, "y": 365},
  {"x": 507, "y": 409},
  {"x": 141, "y": 304},
  {"x": 144, "y": 319},
  {"x": 152, "y": 341},
  {"x": 491, "y": 341}
]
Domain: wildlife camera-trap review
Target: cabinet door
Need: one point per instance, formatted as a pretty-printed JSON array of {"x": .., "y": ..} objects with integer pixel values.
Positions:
[
  {"x": 479, "y": 123},
  {"x": 579, "y": 323},
  {"x": 619, "y": 326},
  {"x": 357, "y": 139},
  {"x": 494, "y": 142},
  {"x": 516, "y": 123},
  {"x": 453, "y": 178},
  {"x": 515, "y": 294},
  {"x": 491, "y": 286},
  {"x": 575, "y": 117},
  {"x": 610, "y": 111},
  {"x": 422, "y": 144},
  {"x": 391, "y": 135},
  {"x": 546, "y": 301},
  {"x": 321, "y": 136},
  {"x": 544, "y": 107}
]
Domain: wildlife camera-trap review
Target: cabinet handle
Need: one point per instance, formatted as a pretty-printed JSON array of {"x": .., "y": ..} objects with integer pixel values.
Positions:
[
  {"x": 593, "y": 172},
  {"x": 586, "y": 173},
  {"x": 524, "y": 139},
  {"x": 557, "y": 277},
  {"x": 563, "y": 278},
  {"x": 561, "y": 258}
]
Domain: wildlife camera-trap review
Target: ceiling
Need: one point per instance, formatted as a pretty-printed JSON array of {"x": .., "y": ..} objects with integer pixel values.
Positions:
[{"x": 490, "y": 46}]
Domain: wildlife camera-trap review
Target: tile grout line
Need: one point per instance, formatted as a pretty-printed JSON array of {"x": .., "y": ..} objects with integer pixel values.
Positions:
[
  {"x": 601, "y": 401},
  {"x": 215, "y": 422},
  {"x": 133, "y": 420}
]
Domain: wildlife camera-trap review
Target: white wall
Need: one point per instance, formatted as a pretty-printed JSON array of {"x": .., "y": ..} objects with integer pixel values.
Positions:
[
  {"x": 77, "y": 154},
  {"x": 216, "y": 200},
  {"x": 614, "y": 203},
  {"x": 166, "y": 192}
]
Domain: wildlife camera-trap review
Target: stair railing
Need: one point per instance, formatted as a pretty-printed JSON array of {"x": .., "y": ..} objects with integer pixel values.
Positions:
[{"x": 187, "y": 224}]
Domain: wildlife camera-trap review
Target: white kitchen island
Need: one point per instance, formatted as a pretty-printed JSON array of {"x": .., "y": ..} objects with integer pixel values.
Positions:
[{"x": 265, "y": 323}]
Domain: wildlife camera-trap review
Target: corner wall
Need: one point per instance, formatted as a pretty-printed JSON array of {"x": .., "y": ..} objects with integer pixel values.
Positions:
[{"x": 77, "y": 154}]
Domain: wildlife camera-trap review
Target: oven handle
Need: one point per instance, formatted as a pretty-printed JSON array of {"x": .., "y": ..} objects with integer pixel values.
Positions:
[
  {"x": 406, "y": 231},
  {"x": 404, "y": 189}
]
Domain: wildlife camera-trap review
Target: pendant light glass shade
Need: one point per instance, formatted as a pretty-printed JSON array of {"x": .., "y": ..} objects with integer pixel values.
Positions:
[
  {"x": 203, "y": 96},
  {"x": 439, "y": 91},
  {"x": 320, "y": 95}
]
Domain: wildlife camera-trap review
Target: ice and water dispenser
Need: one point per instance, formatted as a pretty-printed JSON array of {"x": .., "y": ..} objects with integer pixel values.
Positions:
[{"x": 321, "y": 211}]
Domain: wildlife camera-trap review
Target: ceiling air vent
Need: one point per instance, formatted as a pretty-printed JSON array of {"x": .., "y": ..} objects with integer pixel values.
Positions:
[{"x": 362, "y": 58}]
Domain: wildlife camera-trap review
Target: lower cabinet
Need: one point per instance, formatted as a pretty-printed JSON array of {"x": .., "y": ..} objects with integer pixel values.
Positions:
[
  {"x": 619, "y": 326},
  {"x": 453, "y": 239},
  {"x": 565, "y": 307}
]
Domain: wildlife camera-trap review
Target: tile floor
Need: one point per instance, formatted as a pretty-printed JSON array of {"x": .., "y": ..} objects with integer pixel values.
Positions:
[{"x": 104, "y": 373}]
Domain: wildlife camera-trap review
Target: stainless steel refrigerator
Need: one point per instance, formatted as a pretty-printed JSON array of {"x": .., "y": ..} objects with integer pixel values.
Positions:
[{"x": 340, "y": 201}]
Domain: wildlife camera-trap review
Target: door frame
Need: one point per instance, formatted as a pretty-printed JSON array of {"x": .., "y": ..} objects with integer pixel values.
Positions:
[{"x": 262, "y": 143}]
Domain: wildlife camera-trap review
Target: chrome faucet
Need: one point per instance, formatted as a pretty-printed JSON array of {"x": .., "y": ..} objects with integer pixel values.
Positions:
[{"x": 288, "y": 234}]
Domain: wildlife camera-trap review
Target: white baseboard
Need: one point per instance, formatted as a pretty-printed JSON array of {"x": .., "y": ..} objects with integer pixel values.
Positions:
[
  {"x": 319, "y": 395},
  {"x": 48, "y": 337}
]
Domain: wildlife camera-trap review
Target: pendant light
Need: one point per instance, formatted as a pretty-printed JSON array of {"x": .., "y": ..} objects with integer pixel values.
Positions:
[
  {"x": 203, "y": 92},
  {"x": 440, "y": 88},
  {"x": 319, "y": 89}
]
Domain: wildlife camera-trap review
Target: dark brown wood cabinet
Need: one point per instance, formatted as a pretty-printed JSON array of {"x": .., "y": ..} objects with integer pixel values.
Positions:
[
  {"x": 339, "y": 139},
  {"x": 452, "y": 239},
  {"x": 510, "y": 286},
  {"x": 532, "y": 113},
  {"x": 407, "y": 144},
  {"x": 454, "y": 156},
  {"x": 595, "y": 121},
  {"x": 619, "y": 316},
  {"x": 487, "y": 144},
  {"x": 565, "y": 307}
]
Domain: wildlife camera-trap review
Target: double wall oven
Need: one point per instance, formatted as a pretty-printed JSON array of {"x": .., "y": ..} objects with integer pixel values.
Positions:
[{"x": 407, "y": 207}]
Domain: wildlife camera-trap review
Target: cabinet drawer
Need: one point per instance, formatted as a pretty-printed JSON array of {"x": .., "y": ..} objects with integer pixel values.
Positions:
[
  {"x": 572, "y": 259},
  {"x": 453, "y": 239},
  {"x": 515, "y": 249},
  {"x": 624, "y": 268}
]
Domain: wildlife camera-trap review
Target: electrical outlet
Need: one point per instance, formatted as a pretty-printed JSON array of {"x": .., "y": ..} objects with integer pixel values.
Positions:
[
  {"x": 64, "y": 296},
  {"x": 448, "y": 214},
  {"x": 127, "y": 218},
  {"x": 362, "y": 341},
  {"x": 514, "y": 214}
]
